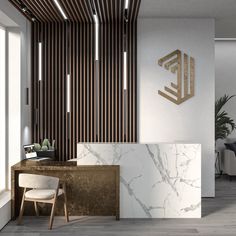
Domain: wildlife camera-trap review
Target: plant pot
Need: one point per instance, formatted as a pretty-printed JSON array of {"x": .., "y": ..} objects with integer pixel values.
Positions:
[{"x": 48, "y": 153}]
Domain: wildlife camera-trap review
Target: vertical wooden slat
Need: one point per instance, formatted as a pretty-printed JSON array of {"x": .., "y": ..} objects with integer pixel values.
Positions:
[
  {"x": 112, "y": 41},
  {"x": 130, "y": 76},
  {"x": 122, "y": 89},
  {"x": 39, "y": 92},
  {"x": 67, "y": 67},
  {"x": 34, "y": 82},
  {"x": 100, "y": 73},
  {"x": 106, "y": 71},
  {"x": 44, "y": 75},
  {"x": 77, "y": 88},
  {"x": 47, "y": 82},
  {"x": 59, "y": 137},
  {"x": 73, "y": 127},
  {"x": 55, "y": 135},
  {"x": 63, "y": 113},
  {"x": 81, "y": 84},
  {"x": 134, "y": 121},
  {"x": 92, "y": 131},
  {"x": 98, "y": 109},
  {"x": 84, "y": 86},
  {"x": 52, "y": 110}
]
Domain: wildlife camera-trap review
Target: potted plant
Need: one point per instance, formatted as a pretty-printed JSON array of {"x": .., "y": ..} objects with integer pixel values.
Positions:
[
  {"x": 45, "y": 149},
  {"x": 224, "y": 125}
]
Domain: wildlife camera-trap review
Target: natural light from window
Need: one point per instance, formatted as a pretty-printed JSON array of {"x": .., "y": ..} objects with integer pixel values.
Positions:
[
  {"x": 14, "y": 118},
  {"x": 2, "y": 110}
]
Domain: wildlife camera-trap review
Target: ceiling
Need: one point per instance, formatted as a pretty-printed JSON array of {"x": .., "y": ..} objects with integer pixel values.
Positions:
[
  {"x": 218, "y": 9},
  {"x": 6, "y": 21},
  {"x": 77, "y": 10}
]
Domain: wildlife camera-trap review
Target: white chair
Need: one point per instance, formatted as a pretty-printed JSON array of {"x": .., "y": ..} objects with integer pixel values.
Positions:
[{"x": 43, "y": 189}]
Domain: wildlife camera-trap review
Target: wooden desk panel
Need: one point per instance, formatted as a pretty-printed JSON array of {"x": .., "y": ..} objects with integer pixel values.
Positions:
[{"x": 91, "y": 190}]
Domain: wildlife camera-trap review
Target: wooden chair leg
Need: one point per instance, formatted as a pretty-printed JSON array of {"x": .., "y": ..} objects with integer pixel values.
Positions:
[
  {"x": 36, "y": 208},
  {"x": 65, "y": 203},
  {"x": 52, "y": 215},
  {"x": 22, "y": 208},
  {"x": 65, "y": 208}
]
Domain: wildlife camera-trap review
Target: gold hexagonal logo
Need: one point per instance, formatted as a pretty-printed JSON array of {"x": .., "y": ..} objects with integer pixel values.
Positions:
[{"x": 183, "y": 89}]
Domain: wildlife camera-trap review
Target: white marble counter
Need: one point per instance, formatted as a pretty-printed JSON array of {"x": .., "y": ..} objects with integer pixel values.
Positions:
[{"x": 157, "y": 180}]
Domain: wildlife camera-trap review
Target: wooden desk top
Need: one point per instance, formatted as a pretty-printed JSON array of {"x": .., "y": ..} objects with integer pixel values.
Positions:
[{"x": 56, "y": 165}]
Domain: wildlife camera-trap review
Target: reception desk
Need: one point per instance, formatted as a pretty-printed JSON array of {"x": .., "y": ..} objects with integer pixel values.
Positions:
[
  {"x": 91, "y": 190},
  {"x": 156, "y": 180},
  {"x": 126, "y": 180}
]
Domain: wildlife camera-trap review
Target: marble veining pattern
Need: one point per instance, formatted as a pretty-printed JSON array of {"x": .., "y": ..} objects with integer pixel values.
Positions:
[{"x": 157, "y": 180}]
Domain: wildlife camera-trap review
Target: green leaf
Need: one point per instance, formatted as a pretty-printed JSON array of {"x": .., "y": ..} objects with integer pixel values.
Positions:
[{"x": 224, "y": 125}]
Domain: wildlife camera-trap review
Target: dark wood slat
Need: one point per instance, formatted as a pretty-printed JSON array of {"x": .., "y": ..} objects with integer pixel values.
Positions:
[
  {"x": 51, "y": 6},
  {"x": 77, "y": 89},
  {"x": 73, "y": 126},
  {"x": 101, "y": 85},
  {"x": 84, "y": 86},
  {"x": 35, "y": 10},
  {"x": 99, "y": 111},
  {"x": 77, "y": 9},
  {"x": 63, "y": 92},
  {"x": 88, "y": 10},
  {"x": 70, "y": 9},
  {"x": 39, "y": 87},
  {"x": 87, "y": 98},
  {"x": 56, "y": 116},
  {"x": 66, "y": 114},
  {"x": 81, "y": 84},
  {"x": 45, "y": 8},
  {"x": 34, "y": 84}
]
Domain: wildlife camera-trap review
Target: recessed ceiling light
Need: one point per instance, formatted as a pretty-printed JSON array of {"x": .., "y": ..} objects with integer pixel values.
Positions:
[{"x": 60, "y": 9}]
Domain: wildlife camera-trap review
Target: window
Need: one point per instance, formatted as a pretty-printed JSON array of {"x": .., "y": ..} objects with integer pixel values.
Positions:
[
  {"x": 2, "y": 109},
  {"x": 9, "y": 103},
  {"x": 14, "y": 99}
]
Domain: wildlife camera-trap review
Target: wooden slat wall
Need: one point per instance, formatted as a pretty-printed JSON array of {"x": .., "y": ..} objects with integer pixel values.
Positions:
[
  {"x": 132, "y": 70},
  {"x": 49, "y": 94},
  {"x": 100, "y": 109},
  {"x": 68, "y": 48}
]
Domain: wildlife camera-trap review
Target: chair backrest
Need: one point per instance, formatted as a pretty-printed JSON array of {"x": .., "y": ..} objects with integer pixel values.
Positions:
[{"x": 38, "y": 181}]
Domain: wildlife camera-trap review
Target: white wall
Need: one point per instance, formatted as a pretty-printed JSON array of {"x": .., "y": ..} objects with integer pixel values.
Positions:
[
  {"x": 159, "y": 119},
  {"x": 225, "y": 58},
  {"x": 24, "y": 123},
  {"x": 2, "y": 107},
  {"x": 225, "y": 28},
  {"x": 25, "y": 31}
]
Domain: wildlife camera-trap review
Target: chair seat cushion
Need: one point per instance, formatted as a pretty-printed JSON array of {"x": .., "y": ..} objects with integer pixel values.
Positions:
[{"x": 43, "y": 194}]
